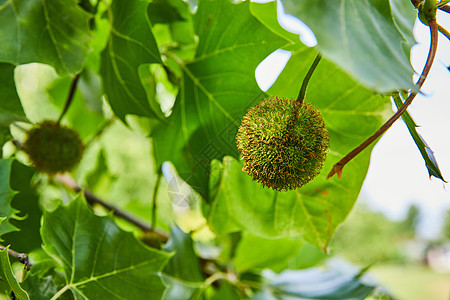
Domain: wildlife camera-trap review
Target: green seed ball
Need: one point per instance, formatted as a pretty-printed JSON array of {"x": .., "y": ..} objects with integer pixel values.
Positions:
[
  {"x": 283, "y": 144},
  {"x": 53, "y": 148}
]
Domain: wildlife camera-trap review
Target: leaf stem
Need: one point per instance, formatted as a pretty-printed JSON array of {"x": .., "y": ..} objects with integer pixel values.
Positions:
[
  {"x": 21, "y": 257},
  {"x": 69, "y": 182},
  {"x": 155, "y": 195},
  {"x": 445, "y": 8},
  {"x": 61, "y": 292},
  {"x": 301, "y": 94},
  {"x": 444, "y": 31},
  {"x": 72, "y": 90},
  {"x": 337, "y": 168}
]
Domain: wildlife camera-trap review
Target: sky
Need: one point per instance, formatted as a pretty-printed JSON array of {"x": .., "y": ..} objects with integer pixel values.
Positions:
[{"x": 397, "y": 175}]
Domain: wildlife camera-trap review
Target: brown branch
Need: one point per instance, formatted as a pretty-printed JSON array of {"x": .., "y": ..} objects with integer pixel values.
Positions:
[
  {"x": 69, "y": 182},
  {"x": 21, "y": 257},
  {"x": 337, "y": 168}
]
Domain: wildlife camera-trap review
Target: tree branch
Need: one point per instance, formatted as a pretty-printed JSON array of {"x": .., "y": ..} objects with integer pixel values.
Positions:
[
  {"x": 69, "y": 182},
  {"x": 337, "y": 168},
  {"x": 21, "y": 257}
]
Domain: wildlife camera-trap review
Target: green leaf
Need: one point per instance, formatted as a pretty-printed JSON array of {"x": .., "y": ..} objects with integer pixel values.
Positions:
[
  {"x": 5, "y": 135},
  {"x": 334, "y": 283},
  {"x": 176, "y": 14},
  {"x": 27, "y": 202},
  {"x": 100, "y": 260},
  {"x": 43, "y": 279},
  {"x": 6, "y": 195},
  {"x": 7, "y": 275},
  {"x": 131, "y": 46},
  {"x": 404, "y": 15},
  {"x": 180, "y": 290},
  {"x": 257, "y": 253},
  {"x": 10, "y": 107},
  {"x": 226, "y": 291},
  {"x": 425, "y": 151},
  {"x": 217, "y": 86},
  {"x": 267, "y": 14},
  {"x": 351, "y": 113},
  {"x": 54, "y": 32},
  {"x": 363, "y": 38},
  {"x": 184, "y": 264}
]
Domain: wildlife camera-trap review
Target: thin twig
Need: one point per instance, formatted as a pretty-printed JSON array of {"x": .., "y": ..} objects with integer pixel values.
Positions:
[
  {"x": 337, "y": 168},
  {"x": 21, "y": 257},
  {"x": 301, "y": 94},
  {"x": 72, "y": 90},
  {"x": 69, "y": 182}
]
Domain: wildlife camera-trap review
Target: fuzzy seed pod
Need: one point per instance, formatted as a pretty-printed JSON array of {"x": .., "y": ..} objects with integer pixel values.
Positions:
[
  {"x": 283, "y": 143},
  {"x": 53, "y": 148}
]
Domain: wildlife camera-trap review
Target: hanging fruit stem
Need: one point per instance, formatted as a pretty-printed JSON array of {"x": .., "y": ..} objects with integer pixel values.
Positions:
[
  {"x": 155, "y": 196},
  {"x": 301, "y": 94},
  {"x": 72, "y": 90}
]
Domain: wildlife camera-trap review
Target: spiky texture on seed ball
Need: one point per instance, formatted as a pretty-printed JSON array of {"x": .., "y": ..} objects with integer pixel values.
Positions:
[
  {"x": 53, "y": 148},
  {"x": 283, "y": 143}
]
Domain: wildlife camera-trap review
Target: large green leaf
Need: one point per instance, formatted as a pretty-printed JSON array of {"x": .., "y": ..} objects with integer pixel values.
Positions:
[
  {"x": 54, "y": 32},
  {"x": 367, "y": 39},
  {"x": 267, "y": 14},
  {"x": 131, "y": 48},
  {"x": 44, "y": 279},
  {"x": 257, "y": 253},
  {"x": 217, "y": 86},
  {"x": 27, "y": 202},
  {"x": 6, "y": 195},
  {"x": 178, "y": 289},
  {"x": 100, "y": 260},
  {"x": 184, "y": 264},
  {"x": 10, "y": 106},
  {"x": 351, "y": 113},
  {"x": 177, "y": 15},
  {"x": 404, "y": 16},
  {"x": 7, "y": 275}
]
